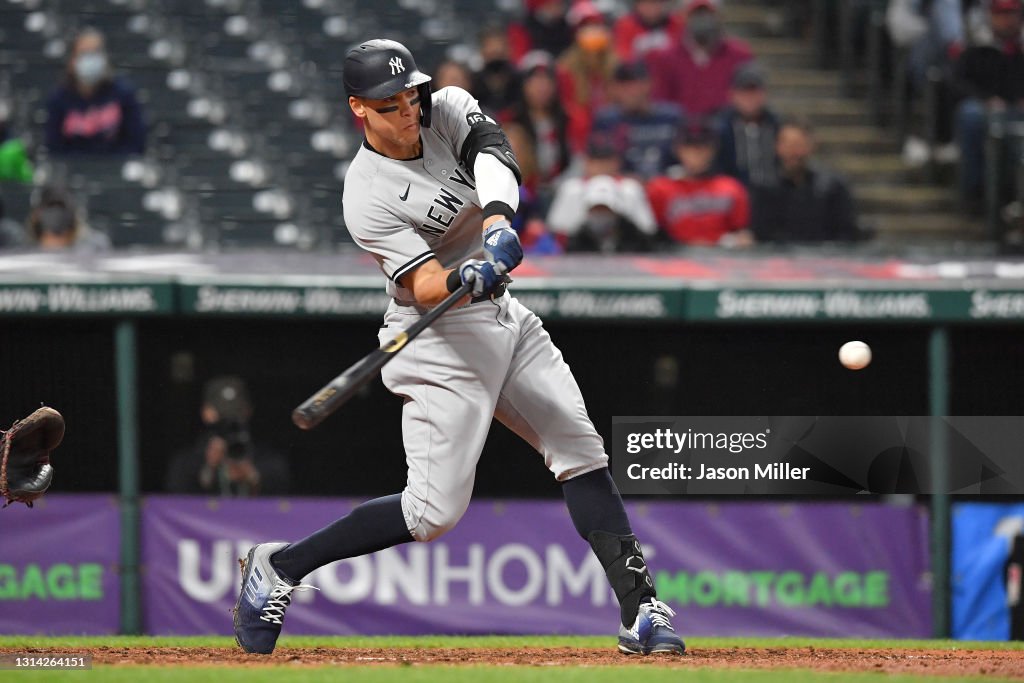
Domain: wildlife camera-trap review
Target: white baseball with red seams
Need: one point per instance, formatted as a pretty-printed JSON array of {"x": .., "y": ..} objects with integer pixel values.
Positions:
[{"x": 855, "y": 355}]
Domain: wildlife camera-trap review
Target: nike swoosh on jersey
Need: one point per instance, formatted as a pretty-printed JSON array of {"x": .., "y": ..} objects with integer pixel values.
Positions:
[{"x": 405, "y": 196}]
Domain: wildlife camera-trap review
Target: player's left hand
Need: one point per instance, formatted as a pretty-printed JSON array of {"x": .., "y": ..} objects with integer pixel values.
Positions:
[
  {"x": 501, "y": 245},
  {"x": 483, "y": 275}
]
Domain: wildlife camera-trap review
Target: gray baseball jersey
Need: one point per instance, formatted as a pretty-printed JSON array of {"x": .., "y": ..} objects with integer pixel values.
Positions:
[
  {"x": 406, "y": 212},
  {"x": 481, "y": 360}
]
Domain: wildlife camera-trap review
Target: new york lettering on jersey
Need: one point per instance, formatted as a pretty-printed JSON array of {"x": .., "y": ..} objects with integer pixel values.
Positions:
[{"x": 444, "y": 207}]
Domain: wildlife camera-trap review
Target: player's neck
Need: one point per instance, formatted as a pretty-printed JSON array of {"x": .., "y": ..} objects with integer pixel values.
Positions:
[{"x": 393, "y": 150}]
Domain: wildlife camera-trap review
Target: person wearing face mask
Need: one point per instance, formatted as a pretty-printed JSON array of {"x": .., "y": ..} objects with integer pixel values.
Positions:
[
  {"x": 603, "y": 210},
  {"x": 544, "y": 28},
  {"x": 808, "y": 203},
  {"x": 92, "y": 111},
  {"x": 496, "y": 84},
  {"x": 54, "y": 224},
  {"x": 585, "y": 71},
  {"x": 701, "y": 207},
  {"x": 697, "y": 71}
]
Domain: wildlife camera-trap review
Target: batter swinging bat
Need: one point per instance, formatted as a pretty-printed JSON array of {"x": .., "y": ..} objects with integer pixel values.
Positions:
[{"x": 343, "y": 387}]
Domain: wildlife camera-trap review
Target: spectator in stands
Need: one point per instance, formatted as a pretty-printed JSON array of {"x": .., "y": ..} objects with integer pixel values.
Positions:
[
  {"x": 533, "y": 196},
  {"x": 747, "y": 130},
  {"x": 643, "y": 128},
  {"x": 603, "y": 210},
  {"x": 538, "y": 125},
  {"x": 450, "y": 72},
  {"x": 808, "y": 203},
  {"x": 15, "y": 174},
  {"x": 701, "y": 207},
  {"x": 544, "y": 28},
  {"x": 585, "y": 71},
  {"x": 93, "y": 111},
  {"x": 927, "y": 29},
  {"x": 496, "y": 84},
  {"x": 697, "y": 71},
  {"x": 15, "y": 166},
  {"x": 990, "y": 78},
  {"x": 651, "y": 25},
  {"x": 224, "y": 459},
  {"x": 11, "y": 233},
  {"x": 54, "y": 223}
]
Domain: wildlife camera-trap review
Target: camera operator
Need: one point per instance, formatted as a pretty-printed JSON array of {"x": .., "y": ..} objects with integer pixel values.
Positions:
[{"x": 225, "y": 460}]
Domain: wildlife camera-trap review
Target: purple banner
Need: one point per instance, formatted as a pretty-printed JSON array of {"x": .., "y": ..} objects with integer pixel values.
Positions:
[
  {"x": 822, "y": 569},
  {"x": 59, "y": 566}
]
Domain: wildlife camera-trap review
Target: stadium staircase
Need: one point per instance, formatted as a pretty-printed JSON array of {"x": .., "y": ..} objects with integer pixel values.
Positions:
[{"x": 902, "y": 204}]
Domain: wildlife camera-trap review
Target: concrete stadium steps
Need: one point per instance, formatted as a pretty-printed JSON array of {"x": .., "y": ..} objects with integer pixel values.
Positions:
[
  {"x": 900, "y": 202},
  {"x": 751, "y": 18},
  {"x": 903, "y": 199},
  {"x": 864, "y": 169},
  {"x": 779, "y": 52},
  {"x": 821, "y": 111},
  {"x": 910, "y": 228}
]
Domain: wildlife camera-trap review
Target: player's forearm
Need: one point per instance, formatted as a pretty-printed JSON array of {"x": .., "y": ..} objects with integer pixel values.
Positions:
[
  {"x": 428, "y": 283},
  {"x": 497, "y": 188}
]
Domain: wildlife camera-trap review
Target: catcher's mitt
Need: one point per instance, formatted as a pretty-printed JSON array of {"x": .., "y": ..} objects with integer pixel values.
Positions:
[{"x": 25, "y": 471}]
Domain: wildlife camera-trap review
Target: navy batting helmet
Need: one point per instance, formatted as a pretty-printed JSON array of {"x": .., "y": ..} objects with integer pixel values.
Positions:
[{"x": 381, "y": 68}]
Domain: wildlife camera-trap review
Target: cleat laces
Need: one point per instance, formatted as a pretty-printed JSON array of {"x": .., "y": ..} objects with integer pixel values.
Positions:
[
  {"x": 280, "y": 598},
  {"x": 660, "y": 613}
]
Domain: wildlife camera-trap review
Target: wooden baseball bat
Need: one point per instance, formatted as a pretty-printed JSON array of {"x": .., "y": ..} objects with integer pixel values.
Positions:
[{"x": 343, "y": 387}]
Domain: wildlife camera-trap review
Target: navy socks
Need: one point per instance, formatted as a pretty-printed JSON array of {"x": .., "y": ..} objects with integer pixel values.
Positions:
[{"x": 373, "y": 526}]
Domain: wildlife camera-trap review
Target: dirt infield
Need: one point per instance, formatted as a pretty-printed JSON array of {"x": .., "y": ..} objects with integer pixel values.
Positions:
[{"x": 1002, "y": 663}]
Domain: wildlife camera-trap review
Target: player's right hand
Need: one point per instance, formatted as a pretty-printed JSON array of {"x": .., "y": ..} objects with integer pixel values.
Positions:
[
  {"x": 483, "y": 275},
  {"x": 502, "y": 246}
]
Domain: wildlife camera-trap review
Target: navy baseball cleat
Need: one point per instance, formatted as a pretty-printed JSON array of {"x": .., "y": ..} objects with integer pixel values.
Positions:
[
  {"x": 652, "y": 632},
  {"x": 265, "y": 595}
]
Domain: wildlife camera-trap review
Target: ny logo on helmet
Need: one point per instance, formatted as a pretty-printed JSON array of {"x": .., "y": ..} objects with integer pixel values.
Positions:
[{"x": 396, "y": 65}]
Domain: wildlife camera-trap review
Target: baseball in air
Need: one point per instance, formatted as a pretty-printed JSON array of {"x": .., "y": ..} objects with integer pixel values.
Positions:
[{"x": 855, "y": 355}]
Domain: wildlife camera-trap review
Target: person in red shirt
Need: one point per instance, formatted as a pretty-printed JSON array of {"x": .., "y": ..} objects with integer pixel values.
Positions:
[
  {"x": 585, "y": 71},
  {"x": 700, "y": 208},
  {"x": 697, "y": 71},
  {"x": 652, "y": 25}
]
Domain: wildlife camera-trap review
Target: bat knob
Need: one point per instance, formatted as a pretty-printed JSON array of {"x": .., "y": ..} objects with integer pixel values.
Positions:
[{"x": 302, "y": 420}]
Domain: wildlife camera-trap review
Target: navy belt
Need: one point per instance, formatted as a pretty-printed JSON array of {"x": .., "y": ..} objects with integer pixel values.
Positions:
[{"x": 498, "y": 292}]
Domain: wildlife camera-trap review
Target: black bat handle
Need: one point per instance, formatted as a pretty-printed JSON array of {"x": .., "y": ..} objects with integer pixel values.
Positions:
[{"x": 340, "y": 389}]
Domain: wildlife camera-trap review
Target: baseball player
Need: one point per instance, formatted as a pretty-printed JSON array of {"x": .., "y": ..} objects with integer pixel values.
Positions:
[{"x": 430, "y": 194}]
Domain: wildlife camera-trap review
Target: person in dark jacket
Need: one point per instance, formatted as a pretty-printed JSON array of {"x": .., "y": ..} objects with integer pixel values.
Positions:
[
  {"x": 645, "y": 129},
  {"x": 92, "y": 111},
  {"x": 808, "y": 203},
  {"x": 990, "y": 79},
  {"x": 496, "y": 84},
  {"x": 747, "y": 131},
  {"x": 543, "y": 28}
]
